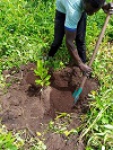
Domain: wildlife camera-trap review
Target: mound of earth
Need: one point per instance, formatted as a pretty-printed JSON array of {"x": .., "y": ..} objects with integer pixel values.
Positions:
[{"x": 24, "y": 107}]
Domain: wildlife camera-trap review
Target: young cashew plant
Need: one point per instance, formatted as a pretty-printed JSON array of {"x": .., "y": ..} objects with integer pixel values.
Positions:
[{"x": 42, "y": 73}]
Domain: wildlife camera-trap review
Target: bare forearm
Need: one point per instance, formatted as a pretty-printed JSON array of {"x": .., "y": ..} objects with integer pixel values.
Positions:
[
  {"x": 73, "y": 51},
  {"x": 70, "y": 36}
]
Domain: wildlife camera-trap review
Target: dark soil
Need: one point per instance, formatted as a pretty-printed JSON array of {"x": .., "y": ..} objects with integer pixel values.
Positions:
[{"x": 23, "y": 106}]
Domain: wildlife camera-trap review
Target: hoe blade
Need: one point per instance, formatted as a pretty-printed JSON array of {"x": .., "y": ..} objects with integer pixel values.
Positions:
[{"x": 76, "y": 94}]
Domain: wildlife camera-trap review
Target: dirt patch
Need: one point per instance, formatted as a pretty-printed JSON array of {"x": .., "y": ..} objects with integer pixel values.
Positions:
[{"x": 23, "y": 106}]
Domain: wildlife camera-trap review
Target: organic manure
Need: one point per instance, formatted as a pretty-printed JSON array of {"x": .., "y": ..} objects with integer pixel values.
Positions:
[{"x": 24, "y": 107}]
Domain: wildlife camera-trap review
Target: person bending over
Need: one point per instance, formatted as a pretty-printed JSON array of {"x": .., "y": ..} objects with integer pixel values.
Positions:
[{"x": 70, "y": 19}]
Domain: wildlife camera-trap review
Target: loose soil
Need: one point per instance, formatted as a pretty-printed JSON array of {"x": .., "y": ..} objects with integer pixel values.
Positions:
[{"x": 24, "y": 107}]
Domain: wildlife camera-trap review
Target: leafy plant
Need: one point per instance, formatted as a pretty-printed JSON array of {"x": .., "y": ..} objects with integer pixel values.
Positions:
[
  {"x": 7, "y": 140},
  {"x": 42, "y": 74},
  {"x": 99, "y": 126}
]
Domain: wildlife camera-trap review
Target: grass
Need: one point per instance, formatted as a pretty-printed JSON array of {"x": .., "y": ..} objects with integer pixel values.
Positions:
[{"x": 99, "y": 126}]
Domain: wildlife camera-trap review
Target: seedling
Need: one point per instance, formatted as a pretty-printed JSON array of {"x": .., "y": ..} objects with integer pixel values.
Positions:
[{"x": 42, "y": 74}]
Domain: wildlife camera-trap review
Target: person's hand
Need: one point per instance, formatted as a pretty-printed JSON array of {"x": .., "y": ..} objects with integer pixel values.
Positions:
[
  {"x": 85, "y": 68},
  {"x": 108, "y": 8}
]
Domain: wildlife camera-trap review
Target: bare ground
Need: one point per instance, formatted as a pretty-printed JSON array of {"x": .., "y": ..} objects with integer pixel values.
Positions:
[{"x": 24, "y": 107}]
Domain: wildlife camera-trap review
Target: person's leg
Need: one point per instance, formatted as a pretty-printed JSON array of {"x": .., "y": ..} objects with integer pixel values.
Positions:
[
  {"x": 58, "y": 33},
  {"x": 80, "y": 38}
]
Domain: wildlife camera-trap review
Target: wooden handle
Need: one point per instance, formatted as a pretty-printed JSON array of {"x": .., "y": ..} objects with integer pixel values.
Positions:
[
  {"x": 99, "y": 40},
  {"x": 96, "y": 47}
]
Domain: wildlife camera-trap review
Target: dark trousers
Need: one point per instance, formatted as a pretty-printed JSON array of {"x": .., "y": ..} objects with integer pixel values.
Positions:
[{"x": 59, "y": 34}]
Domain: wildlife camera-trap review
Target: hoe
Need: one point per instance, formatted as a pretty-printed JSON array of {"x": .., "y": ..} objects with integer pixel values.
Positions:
[{"x": 77, "y": 92}]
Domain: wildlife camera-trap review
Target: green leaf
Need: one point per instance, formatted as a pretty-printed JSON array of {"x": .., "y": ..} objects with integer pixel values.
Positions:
[
  {"x": 37, "y": 73},
  {"x": 67, "y": 133},
  {"x": 48, "y": 77},
  {"x": 73, "y": 131},
  {"x": 105, "y": 120},
  {"x": 108, "y": 126},
  {"x": 39, "y": 64},
  {"x": 38, "y": 82},
  {"x": 44, "y": 74},
  {"x": 47, "y": 83}
]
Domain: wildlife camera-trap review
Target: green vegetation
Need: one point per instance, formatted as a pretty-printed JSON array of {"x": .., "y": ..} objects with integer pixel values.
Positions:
[
  {"x": 99, "y": 126},
  {"x": 25, "y": 35},
  {"x": 42, "y": 74},
  {"x": 60, "y": 126},
  {"x": 8, "y": 141}
]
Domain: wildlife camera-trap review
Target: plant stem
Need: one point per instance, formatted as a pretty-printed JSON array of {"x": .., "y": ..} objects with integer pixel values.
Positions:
[{"x": 96, "y": 119}]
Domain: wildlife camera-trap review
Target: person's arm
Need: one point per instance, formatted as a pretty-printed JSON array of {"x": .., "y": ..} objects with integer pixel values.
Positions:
[{"x": 70, "y": 38}]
